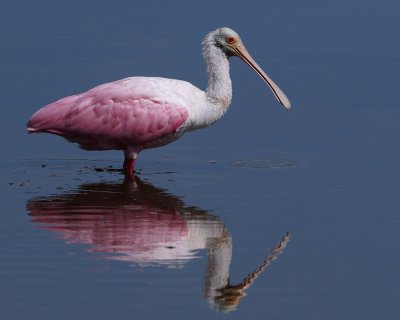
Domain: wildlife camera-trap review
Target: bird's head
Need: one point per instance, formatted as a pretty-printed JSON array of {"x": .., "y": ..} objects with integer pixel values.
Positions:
[
  {"x": 230, "y": 43},
  {"x": 228, "y": 40}
]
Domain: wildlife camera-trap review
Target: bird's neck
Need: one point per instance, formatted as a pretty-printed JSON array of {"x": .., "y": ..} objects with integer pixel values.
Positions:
[{"x": 219, "y": 89}]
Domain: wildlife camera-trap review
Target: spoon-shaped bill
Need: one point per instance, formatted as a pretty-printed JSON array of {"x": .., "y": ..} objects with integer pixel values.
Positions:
[{"x": 246, "y": 57}]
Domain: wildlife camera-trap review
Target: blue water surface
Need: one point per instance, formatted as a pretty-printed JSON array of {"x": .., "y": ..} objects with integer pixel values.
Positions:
[{"x": 274, "y": 213}]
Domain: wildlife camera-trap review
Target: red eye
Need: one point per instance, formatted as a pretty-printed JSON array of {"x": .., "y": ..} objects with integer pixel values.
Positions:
[{"x": 230, "y": 40}]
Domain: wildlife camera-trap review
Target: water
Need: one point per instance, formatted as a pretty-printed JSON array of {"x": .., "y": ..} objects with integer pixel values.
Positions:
[{"x": 80, "y": 241}]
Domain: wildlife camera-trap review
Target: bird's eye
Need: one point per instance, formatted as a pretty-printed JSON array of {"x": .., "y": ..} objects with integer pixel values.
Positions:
[{"x": 230, "y": 40}]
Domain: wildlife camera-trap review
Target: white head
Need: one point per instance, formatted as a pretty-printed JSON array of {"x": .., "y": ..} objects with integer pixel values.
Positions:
[{"x": 231, "y": 44}]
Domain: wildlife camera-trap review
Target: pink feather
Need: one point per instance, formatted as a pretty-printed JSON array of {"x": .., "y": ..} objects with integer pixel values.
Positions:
[{"x": 115, "y": 115}]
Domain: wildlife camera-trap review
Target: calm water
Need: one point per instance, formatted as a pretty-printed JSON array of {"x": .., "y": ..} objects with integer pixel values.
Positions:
[{"x": 284, "y": 214}]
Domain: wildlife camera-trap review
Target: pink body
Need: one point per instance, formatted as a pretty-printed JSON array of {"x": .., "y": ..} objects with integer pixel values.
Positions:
[
  {"x": 131, "y": 114},
  {"x": 116, "y": 115}
]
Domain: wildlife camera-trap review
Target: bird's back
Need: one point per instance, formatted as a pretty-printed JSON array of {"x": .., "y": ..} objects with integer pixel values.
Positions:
[{"x": 136, "y": 111}]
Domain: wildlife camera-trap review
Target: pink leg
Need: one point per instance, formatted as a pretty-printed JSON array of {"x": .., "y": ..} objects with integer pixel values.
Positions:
[
  {"x": 129, "y": 166},
  {"x": 129, "y": 163}
]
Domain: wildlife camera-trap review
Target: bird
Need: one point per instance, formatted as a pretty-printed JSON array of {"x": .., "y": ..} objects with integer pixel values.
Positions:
[{"x": 137, "y": 113}]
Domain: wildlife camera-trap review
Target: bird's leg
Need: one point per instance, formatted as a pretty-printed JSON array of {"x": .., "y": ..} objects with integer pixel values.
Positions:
[{"x": 129, "y": 163}]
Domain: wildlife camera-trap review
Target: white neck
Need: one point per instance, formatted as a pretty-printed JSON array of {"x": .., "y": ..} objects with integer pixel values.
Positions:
[
  {"x": 219, "y": 89},
  {"x": 218, "y": 94}
]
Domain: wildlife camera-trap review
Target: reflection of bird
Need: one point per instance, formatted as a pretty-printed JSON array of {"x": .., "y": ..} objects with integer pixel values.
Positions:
[
  {"x": 137, "y": 113},
  {"x": 136, "y": 222}
]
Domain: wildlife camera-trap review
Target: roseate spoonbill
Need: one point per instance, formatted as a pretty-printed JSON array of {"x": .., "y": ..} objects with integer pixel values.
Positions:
[{"x": 137, "y": 113}]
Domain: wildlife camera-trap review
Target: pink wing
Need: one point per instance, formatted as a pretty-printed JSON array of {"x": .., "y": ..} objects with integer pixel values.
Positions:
[{"x": 113, "y": 116}]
